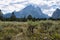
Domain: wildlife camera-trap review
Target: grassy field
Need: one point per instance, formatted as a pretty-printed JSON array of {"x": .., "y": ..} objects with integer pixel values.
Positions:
[{"x": 38, "y": 30}]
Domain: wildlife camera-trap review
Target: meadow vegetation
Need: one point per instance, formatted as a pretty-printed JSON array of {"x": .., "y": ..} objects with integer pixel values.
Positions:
[{"x": 38, "y": 30}]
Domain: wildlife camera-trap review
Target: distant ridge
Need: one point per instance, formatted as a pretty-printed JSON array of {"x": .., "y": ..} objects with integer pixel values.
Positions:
[
  {"x": 33, "y": 10},
  {"x": 56, "y": 14}
]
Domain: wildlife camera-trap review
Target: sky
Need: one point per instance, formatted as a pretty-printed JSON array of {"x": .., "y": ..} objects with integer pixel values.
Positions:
[{"x": 47, "y": 6}]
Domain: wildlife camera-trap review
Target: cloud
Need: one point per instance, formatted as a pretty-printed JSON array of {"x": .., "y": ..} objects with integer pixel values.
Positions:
[
  {"x": 10, "y": 5},
  {"x": 47, "y": 6},
  {"x": 49, "y": 11}
]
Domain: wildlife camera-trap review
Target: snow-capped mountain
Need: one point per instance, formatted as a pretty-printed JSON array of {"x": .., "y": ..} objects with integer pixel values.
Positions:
[
  {"x": 56, "y": 14},
  {"x": 33, "y": 10}
]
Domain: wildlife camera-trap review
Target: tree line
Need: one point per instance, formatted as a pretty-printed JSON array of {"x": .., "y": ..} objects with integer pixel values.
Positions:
[{"x": 13, "y": 18}]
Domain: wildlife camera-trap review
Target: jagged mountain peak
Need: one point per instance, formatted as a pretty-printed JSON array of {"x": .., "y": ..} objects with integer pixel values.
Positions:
[
  {"x": 57, "y": 9},
  {"x": 56, "y": 14},
  {"x": 33, "y": 10},
  {"x": 33, "y": 5}
]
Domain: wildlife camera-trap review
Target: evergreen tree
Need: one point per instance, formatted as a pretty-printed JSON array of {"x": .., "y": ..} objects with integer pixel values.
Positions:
[
  {"x": 34, "y": 19},
  {"x": 1, "y": 15},
  {"x": 13, "y": 17},
  {"x": 24, "y": 19},
  {"x": 29, "y": 17}
]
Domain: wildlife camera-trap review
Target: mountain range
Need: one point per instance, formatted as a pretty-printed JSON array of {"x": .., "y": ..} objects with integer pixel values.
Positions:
[{"x": 34, "y": 11}]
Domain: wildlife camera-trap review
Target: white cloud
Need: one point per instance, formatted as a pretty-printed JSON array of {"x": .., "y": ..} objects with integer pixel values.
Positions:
[
  {"x": 49, "y": 11},
  {"x": 6, "y": 6},
  {"x": 47, "y": 6}
]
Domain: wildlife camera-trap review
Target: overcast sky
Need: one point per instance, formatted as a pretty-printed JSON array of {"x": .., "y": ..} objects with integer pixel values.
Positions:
[{"x": 47, "y": 6}]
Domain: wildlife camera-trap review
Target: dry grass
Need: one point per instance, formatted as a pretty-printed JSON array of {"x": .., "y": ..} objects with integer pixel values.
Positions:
[{"x": 38, "y": 30}]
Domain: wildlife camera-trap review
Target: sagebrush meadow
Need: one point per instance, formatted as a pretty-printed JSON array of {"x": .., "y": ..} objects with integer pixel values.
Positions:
[{"x": 38, "y": 30}]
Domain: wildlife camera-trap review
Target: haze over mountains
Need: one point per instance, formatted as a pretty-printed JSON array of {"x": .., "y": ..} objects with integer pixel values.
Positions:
[{"x": 34, "y": 11}]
